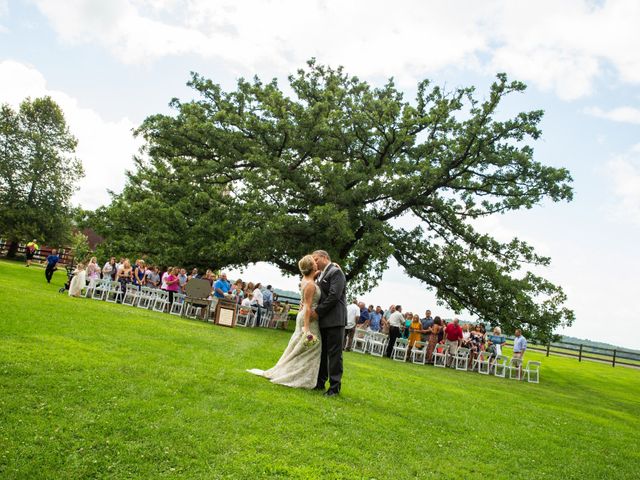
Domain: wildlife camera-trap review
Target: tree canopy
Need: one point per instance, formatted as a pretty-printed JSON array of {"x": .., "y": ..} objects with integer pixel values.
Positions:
[
  {"x": 262, "y": 173},
  {"x": 38, "y": 172}
]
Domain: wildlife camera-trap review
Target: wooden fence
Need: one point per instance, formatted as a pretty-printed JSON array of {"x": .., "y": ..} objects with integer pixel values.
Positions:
[{"x": 581, "y": 351}]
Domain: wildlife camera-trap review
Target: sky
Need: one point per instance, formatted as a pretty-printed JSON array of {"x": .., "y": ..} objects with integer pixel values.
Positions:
[{"x": 111, "y": 64}]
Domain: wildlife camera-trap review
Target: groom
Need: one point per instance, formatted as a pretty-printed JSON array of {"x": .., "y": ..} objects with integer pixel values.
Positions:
[{"x": 332, "y": 318}]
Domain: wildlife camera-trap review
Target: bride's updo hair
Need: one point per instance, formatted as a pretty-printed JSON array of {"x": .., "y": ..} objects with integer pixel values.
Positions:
[{"x": 306, "y": 265}]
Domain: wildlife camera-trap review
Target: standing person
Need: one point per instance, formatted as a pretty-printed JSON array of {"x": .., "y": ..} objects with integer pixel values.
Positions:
[
  {"x": 363, "y": 320},
  {"x": 194, "y": 274},
  {"x": 427, "y": 323},
  {"x": 267, "y": 298},
  {"x": 332, "y": 318},
  {"x": 163, "y": 278},
  {"x": 375, "y": 319},
  {"x": 52, "y": 261},
  {"x": 496, "y": 341},
  {"x": 172, "y": 283},
  {"x": 300, "y": 362},
  {"x": 183, "y": 278},
  {"x": 78, "y": 282},
  {"x": 30, "y": 250},
  {"x": 222, "y": 286},
  {"x": 434, "y": 332},
  {"x": 139, "y": 274},
  {"x": 453, "y": 334},
  {"x": 396, "y": 322},
  {"x": 353, "y": 314},
  {"x": 93, "y": 273},
  {"x": 110, "y": 269},
  {"x": 415, "y": 333},
  {"x": 519, "y": 349},
  {"x": 124, "y": 276}
]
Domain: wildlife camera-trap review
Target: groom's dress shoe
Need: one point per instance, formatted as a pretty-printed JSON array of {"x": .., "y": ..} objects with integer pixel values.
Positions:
[
  {"x": 330, "y": 393},
  {"x": 318, "y": 387}
]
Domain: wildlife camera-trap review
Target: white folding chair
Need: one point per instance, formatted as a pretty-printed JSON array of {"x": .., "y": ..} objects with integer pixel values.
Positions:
[
  {"x": 482, "y": 362},
  {"x": 178, "y": 304},
  {"x": 100, "y": 290},
  {"x": 160, "y": 301},
  {"x": 419, "y": 353},
  {"x": 131, "y": 295},
  {"x": 500, "y": 366},
  {"x": 378, "y": 344},
  {"x": 359, "y": 343},
  {"x": 440, "y": 355},
  {"x": 461, "y": 359},
  {"x": 399, "y": 352},
  {"x": 515, "y": 369},
  {"x": 113, "y": 292},
  {"x": 532, "y": 371}
]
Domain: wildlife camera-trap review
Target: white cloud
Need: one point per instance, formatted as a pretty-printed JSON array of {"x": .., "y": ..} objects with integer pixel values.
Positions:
[
  {"x": 624, "y": 173},
  {"x": 559, "y": 46},
  {"x": 104, "y": 147},
  {"x": 620, "y": 114}
]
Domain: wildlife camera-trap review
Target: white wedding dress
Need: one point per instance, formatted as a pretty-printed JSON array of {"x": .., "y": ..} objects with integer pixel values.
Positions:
[{"x": 298, "y": 366}]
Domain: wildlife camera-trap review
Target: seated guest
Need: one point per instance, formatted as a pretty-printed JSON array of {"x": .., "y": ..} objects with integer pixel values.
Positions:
[
  {"x": 496, "y": 341},
  {"x": 245, "y": 306},
  {"x": 221, "y": 286},
  {"x": 434, "y": 333}
]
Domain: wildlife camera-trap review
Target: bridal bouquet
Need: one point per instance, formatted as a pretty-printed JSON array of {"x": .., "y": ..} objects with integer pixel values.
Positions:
[{"x": 309, "y": 340}]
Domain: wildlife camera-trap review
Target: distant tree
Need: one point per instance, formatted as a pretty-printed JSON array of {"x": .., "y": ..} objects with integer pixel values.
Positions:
[
  {"x": 38, "y": 172},
  {"x": 253, "y": 174}
]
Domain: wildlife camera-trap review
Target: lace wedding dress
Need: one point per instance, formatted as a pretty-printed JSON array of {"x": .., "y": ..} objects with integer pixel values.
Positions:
[{"x": 298, "y": 366}]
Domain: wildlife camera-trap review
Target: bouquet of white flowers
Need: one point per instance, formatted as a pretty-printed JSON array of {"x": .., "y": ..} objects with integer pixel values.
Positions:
[{"x": 309, "y": 340}]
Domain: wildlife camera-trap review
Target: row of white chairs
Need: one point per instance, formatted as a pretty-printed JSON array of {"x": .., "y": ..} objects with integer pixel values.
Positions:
[
  {"x": 485, "y": 363},
  {"x": 158, "y": 300}
]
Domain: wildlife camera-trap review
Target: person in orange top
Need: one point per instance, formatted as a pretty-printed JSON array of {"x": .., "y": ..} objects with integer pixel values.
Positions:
[{"x": 415, "y": 333}]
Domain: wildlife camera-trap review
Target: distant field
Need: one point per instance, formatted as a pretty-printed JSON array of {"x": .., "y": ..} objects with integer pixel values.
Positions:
[{"x": 96, "y": 390}]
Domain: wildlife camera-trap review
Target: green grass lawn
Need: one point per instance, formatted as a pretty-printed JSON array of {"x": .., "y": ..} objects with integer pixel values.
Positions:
[{"x": 94, "y": 390}]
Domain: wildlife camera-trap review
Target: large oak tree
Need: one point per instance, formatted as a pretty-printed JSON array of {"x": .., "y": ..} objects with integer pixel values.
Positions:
[{"x": 260, "y": 174}]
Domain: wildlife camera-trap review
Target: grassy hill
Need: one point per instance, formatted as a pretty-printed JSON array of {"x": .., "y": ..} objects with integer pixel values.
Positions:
[{"x": 96, "y": 390}]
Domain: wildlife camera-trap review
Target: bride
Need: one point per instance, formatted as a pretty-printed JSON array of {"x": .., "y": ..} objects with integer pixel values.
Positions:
[{"x": 298, "y": 366}]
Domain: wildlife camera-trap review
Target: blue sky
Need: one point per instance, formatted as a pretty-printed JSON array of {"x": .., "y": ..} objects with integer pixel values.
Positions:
[{"x": 110, "y": 64}]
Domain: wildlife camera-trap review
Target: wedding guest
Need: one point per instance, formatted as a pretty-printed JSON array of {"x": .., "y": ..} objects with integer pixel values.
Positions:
[
  {"x": 125, "y": 276},
  {"x": 52, "y": 261},
  {"x": 408, "y": 318},
  {"x": 396, "y": 322},
  {"x": 248, "y": 291},
  {"x": 209, "y": 277},
  {"x": 353, "y": 314},
  {"x": 496, "y": 341},
  {"x": 194, "y": 274},
  {"x": 415, "y": 333},
  {"x": 139, "y": 273},
  {"x": 93, "y": 273},
  {"x": 257, "y": 298},
  {"x": 453, "y": 334},
  {"x": 163, "y": 278},
  {"x": 183, "y": 279},
  {"x": 153, "y": 277},
  {"x": 78, "y": 282},
  {"x": 466, "y": 335},
  {"x": 30, "y": 250},
  {"x": 519, "y": 348},
  {"x": 434, "y": 332},
  {"x": 267, "y": 298},
  {"x": 238, "y": 291},
  {"x": 172, "y": 283},
  {"x": 363, "y": 320},
  {"x": 110, "y": 269},
  {"x": 221, "y": 286},
  {"x": 426, "y": 322},
  {"x": 375, "y": 319}
]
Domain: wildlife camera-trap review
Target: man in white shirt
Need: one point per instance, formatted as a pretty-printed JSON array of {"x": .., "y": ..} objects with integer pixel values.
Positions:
[
  {"x": 396, "y": 322},
  {"x": 353, "y": 314}
]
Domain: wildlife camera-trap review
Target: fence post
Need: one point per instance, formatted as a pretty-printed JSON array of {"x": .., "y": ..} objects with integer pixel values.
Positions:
[
  {"x": 580, "y": 354},
  {"x": 613, "y": 364},
  {"x": 548, "y": 347}
]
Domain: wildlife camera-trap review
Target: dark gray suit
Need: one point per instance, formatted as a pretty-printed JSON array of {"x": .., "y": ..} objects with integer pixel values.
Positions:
[{"x": 332, "y": 318}]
